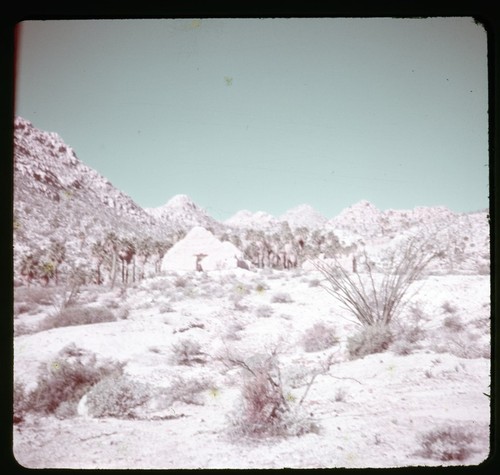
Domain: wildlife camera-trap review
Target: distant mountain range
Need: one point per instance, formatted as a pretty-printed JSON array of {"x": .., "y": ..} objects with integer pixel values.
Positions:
[{"x": 58, "y": 198}]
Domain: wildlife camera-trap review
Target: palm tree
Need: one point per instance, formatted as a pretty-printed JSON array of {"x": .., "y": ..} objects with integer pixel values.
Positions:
[
  {"x": 111, "y": 244},
  {"x": 161, "y": 248},
  {"x": 57, "y": 255},
  {"x": 99, "y": 251},
  {"x": 29, "y": 267},
  {"x": 46, "y": 271},
  {"x": 145, "y": 249},
  {"x": 126, "y": 253}
]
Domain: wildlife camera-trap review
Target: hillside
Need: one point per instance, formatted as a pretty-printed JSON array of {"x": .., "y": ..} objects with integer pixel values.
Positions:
[{"x": 61, "y": 202}]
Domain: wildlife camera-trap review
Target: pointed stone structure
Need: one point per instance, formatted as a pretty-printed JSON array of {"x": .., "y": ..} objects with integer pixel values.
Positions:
[{"x": 186, "y": 254}]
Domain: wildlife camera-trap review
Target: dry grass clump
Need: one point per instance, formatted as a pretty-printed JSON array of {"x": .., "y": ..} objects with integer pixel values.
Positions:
[
  {"x": 281, "y": 297},
  {"x": 450, "y": 442},
  {"x": 264, "y": 311},
  {"x": 319, "y": 337},
  {"x": 453, "y": 323},
  {"x": 77, "y": 315},
  {"x": 188, "y": 390},
  {"x": 187, "y": 353},
  {"x": 369, "y": 339},
  {"x": 34, "y": 295},
  {"x": 408, "y": 334}
]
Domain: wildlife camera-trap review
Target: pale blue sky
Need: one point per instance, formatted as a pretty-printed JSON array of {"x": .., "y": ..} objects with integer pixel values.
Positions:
[{"x": 267, "y": 114}]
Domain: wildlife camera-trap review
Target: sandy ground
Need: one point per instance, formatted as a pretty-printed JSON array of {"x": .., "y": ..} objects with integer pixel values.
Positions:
[{"x": 370, "y": 411}]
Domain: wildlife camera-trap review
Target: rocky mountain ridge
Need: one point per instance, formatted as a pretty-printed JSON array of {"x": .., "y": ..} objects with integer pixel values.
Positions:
[{"x": 57, "y": 198}]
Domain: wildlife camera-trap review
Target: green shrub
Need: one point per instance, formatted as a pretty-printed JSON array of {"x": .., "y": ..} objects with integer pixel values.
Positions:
[
  {"x": 319, "y": 337},
  {"x": 77, "y": 315},
  {"x": 370, "y": 339},
  {"x": 449, "y": 443},
  {"x": 67, "y": 378},
  {"x": 117, "y": 396}
]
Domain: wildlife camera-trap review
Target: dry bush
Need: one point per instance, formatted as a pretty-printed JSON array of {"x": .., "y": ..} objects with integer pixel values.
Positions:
[
  {"x": 369, "y": 339},
  {"x": 408, "y": 335},
  {"x": 448, "y": 307},
  {"x": 117, "y": 396},
  {"x": 21, "y": 402},
  {"x": 189, "y": 391},
  {"x": 187, "y": 353},
  {"x": 340, "y": 395},
  {"x": 319, "y": 337},
  {"x": 281, "y": 297},
  {"x": 181, "y": 282},
  {"x": 314, "y": 283},
  {"x": 453, "y": 323},
  {"x": 122, "y": 313},
  {"x": 268, "y": 408},
  {"x": 34, "y": 295},
  {"x": 265, "y": 411},
  {"x": 66, "y": 379},
  {"x": 166, "y": 307},
  {"x": 264, "y": 311},
  {"x": 77, "y": 315},
  {"x": 377, "y": 299},
  {"x": 450, "y": 442},
  {"x": 261, "y": 287},
  {"x": 24, "y": 307}
]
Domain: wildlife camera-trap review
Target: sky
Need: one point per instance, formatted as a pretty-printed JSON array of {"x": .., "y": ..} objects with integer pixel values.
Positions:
[{"x": 267, "y": 114}]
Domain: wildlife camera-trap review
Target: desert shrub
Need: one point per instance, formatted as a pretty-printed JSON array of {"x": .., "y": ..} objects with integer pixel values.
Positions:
[
  {"x": 449, "y": 443},
  {"x": 378, "y": 298},
  {"x": 122, "y": 313},
  {"x": 408, "y": 335},
  {"x": 319, "y": 337},
  {"x": 117, "y": 396},
  {"x": 113, "y": 303},
  {"x": 267, "y": 408},
  {"x": 165, "y": 307},
  {"x": 265, "y": 411},
  {"x": 188, "y": 390},
  {"x": 261, "y": 287},
  {"x": 465, "y": 345},
  {"x": 241, "y": 289},
  {"x": 314, "y": 283},
  {"x": 448, "y": 307},
  {"x": 21, "y": 402},
  {"x": 24, "y": 307},
  {"x": 281, "y": 297},
  {"x": 369, "y": 339},
  {"x": 264, "y": 311},
  {"x": 453, "y": 323},
  {"x": 340, "y": 395},
  {"x": 67, "y": 378},
  {"x": 77, "y": 315},
  {"x": 187, "y": 352},
  {"x": 238, "y": 301},
  {"x": 34, "y": 295},
  {"x": 180, "y": 282},
  {"x": 233, "y": 330}
]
